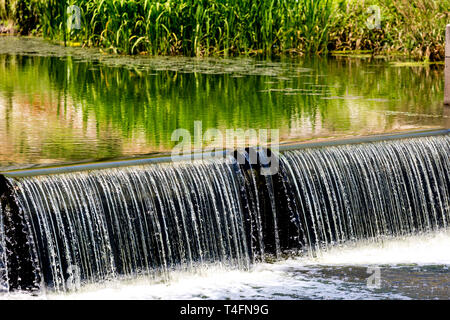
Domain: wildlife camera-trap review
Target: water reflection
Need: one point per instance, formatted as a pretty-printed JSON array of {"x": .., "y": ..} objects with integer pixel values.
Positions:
[{"x": 60, "y": 109}]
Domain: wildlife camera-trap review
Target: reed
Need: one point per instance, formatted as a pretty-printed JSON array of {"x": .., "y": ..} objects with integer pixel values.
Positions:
[
  {"x": 412, "y": 27},
  {"x": 243, "y": 27},
  {"x": 191, "y": 27}
]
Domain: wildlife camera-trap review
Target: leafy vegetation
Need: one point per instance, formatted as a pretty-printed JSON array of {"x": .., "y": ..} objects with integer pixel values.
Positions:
[
  {"x": 241, "y": 27},
  {"x": 414, "y": 27}
]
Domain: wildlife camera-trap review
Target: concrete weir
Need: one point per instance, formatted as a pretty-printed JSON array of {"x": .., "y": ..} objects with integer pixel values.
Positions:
[{"x": 153, "y": 218}]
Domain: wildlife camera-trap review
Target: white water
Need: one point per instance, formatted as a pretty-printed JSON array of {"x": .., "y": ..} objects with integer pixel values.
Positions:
[
  {"x": 426, "y": 249},
  {"x": 297, "y": 278},
  {"x": 214, "y": 218},
  {"x": 113, "y": 223}
]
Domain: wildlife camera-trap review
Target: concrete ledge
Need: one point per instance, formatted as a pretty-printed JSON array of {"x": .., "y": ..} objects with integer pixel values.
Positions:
[
  {"x": 194, "y": 156},
  {"x": 367, "y": 139}
]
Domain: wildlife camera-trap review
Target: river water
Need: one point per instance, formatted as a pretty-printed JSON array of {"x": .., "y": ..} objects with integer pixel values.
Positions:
[
  {"x": 72, "y": 105},
  {"x": 64, "y": 105}
]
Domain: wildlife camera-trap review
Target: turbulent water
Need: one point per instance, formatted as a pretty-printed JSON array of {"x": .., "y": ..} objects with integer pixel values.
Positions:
[
  {"x": 153, "y": 219},
  {"x": 411, "y": 267}
]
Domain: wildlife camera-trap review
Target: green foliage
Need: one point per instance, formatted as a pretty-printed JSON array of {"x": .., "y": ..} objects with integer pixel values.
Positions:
[
  {"x": 23, "y": 12},
  {"x": 5, "y": 10},
  {"x": 415, "y": 27},
  {"x": 194, "y": 27},
  {"x": 235, "y": 27}
]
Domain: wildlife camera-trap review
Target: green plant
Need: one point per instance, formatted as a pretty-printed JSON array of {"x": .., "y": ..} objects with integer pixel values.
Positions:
[{"x": 242, "y": 27}]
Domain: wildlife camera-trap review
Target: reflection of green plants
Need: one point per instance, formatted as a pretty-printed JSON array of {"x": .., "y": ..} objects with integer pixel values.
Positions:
[{"x": 122, "y": 102}]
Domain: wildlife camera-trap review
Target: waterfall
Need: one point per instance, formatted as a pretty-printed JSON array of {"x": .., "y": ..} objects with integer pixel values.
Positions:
[
  {"x": 153, "y": 218},
  {"x": 370, "y": 190},
  {"x": 3, "y": 267},
  {"x": 134, "y": 220}
]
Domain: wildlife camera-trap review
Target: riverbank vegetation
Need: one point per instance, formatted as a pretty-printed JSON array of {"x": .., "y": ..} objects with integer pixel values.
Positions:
[{"x": 240, "y": 27}]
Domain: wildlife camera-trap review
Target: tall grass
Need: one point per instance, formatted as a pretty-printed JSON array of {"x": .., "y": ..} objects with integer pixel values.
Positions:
[
  {"x": 233, "y": 27},
  {"x": 6, "y": 10},
  {"x": 415, "y": 27},
  {"x": 23, "y": 12},
  {"x": 194, "y": 27}
]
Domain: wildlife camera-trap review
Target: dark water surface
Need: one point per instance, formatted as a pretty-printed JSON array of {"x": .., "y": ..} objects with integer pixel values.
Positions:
[{"x": 61, "y": 105}]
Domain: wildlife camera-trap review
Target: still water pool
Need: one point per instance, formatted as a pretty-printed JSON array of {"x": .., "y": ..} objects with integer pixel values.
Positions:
[{"x": 63, "y": 105}]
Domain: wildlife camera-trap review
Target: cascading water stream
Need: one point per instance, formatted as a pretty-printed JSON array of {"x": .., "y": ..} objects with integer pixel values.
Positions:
[
  {"x": 135, "y": 220},
  {"x": 369, "y": 190},
  {"x": 3, "y": 267},
  {"x": 153, "y": 218}
]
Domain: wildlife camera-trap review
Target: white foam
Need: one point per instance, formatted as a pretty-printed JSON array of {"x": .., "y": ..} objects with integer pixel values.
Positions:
[
  {"x": 426, "y": 249},
  {"x": 265, "y": 281},
  {"x": 281, "y": 280}
]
